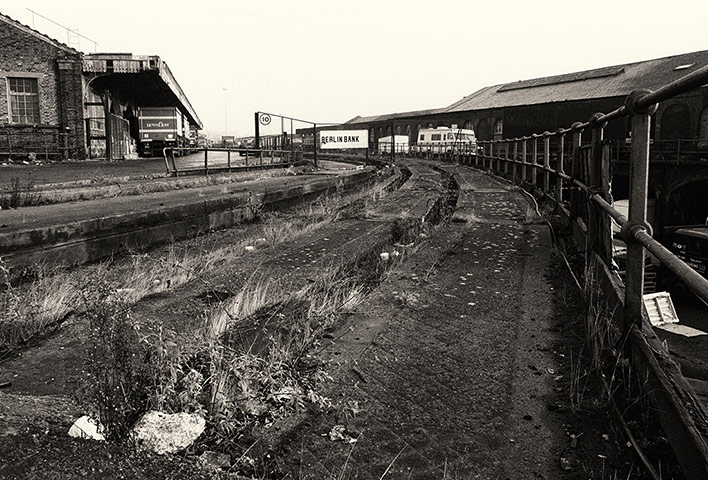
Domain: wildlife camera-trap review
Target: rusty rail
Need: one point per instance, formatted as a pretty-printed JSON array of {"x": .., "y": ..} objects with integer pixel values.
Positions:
[{"x": 537, "y": 162}]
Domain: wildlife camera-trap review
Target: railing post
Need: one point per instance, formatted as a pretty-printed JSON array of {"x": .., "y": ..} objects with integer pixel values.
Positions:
[
  {"x": 524, "y": 153},
  {"x": 534, "y": 162},
  {"x": 506, "y": 157},
  {"x": 515, "y": 159},
  {"x": 639, "y": 180},
  {"x": 559, "y": 167},
  {"x": 546, "y": 162},
  {"x": 206, "y": 162},
  {"x": 598, "y": 223},
  {"x": 575, "y": 169}
]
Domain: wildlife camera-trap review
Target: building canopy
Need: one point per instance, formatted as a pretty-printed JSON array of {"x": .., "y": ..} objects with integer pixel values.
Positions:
[{"x": 147, "y": 78}]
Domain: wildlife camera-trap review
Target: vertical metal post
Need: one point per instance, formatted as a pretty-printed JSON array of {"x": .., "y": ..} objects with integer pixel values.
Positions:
[
  {"x": 524, "y": 152},
  {"x": 638, "y": 186},
  {"x": 393, "y": 143},
  {"x": 506, "y": 157},
  {"x": 575, "y": 169},
  {"x": 228, "y": 159},
  {"x": 559, "y": 168},
  {"x": 256, "y": 118},
  {"x": 516, "y": 156},
  {"x": 546, "y": 163},
  {"x": 596, "y": 231},
  {"x": 314, "y": 142},
  {"x": 206, "y": 161},
  {"x": 534, "y": 162}
]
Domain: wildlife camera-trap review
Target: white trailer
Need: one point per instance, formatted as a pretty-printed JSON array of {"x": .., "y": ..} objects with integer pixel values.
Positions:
[{"x": 400, "y": 142}]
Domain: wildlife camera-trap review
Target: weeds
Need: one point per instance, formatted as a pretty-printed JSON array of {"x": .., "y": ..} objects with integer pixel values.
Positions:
[
  {"x": 118, "y": 382},
  {"x": 33, "y": 308},
  {"x": 20, "y": 194}
]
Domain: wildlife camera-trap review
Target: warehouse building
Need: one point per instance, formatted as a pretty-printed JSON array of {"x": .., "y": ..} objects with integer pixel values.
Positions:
[{"x": 62, "y": 104}]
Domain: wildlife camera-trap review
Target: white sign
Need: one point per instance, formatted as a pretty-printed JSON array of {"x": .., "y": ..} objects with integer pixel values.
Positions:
[{"x": 330, "y": 139}]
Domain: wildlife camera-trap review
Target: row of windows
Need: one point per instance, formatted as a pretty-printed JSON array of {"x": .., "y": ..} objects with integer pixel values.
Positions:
[{"x": 23, "y": 94}]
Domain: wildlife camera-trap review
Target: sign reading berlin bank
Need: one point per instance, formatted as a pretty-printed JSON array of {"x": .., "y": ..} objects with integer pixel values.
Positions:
[{"x": 344, "y": 139}]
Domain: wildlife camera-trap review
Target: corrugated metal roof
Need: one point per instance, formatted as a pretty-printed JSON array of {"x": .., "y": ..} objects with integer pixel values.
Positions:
[{"x": 615, "y": 81}]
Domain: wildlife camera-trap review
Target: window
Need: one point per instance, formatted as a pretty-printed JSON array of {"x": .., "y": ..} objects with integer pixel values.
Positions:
[
  {"x": 449, "y": 136},
  {"x": 24, "y": 100},
  {"x": 435, "y": 136},
  {"x": 422, "y": 137},
  {"x": 498, "y": 127}
]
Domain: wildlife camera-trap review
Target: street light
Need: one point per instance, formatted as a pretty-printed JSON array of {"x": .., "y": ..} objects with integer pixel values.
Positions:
[{"x": 226, "y": 114}]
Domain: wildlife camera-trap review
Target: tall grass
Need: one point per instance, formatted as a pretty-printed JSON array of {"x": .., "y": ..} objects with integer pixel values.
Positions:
[{"x": 34, "y": 307}]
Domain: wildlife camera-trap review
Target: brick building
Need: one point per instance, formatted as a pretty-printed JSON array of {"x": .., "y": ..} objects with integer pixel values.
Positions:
[
  {"x": 59, "y": 103},
  {"x": 41, "y": 111}
]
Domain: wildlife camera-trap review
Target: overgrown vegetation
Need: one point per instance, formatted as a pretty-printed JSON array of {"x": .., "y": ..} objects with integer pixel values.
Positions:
[
  {"x": 20, "y": 194},
  {"x": 601, "y": 382},
  {"x": 252, "y": 362}
]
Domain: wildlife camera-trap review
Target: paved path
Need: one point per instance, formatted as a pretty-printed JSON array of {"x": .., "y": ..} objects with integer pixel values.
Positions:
[{"x": 433, "y": 374}]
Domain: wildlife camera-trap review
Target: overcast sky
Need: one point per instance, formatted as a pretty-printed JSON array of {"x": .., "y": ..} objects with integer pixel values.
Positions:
[{"x": 328, "y": 61}]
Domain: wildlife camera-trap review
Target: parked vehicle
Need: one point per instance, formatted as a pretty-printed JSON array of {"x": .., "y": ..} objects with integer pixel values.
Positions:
[
  {"x": 446, "y": 140},
  {"x": 161, "y": 127}
]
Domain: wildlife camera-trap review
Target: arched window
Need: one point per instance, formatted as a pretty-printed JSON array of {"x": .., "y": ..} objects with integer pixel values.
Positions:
[
  {"x": 483, "y": 130},
  {"x": 398, "y": 130},
  {"x": 675, "y": 122},
  {"x": 468, "y": 125},
  {"x": 703, "y": 126}
]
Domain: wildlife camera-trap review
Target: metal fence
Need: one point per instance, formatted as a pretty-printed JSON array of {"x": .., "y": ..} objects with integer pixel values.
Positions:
[
  {"x": 571, "y": 166},
  {"x": 214, "y": 160},
  {"x": 46, "y": 143}
]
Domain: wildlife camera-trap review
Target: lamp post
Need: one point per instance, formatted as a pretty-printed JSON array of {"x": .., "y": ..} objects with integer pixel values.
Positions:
[{"x": 226, "y": 114}]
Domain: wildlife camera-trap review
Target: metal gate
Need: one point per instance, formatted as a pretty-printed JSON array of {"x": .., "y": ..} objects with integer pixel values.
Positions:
[{"x": 120, "y": 138}]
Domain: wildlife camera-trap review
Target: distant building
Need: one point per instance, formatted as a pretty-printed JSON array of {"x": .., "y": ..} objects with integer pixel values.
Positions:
[
  {"x": 530, "y": 106},
  {"x": 678, "y": 177},
  {"x": 60, "y": 103}
]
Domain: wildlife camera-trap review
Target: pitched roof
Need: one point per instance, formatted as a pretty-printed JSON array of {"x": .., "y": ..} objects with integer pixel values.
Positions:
[
  {"x": 30, "y": 31},
  {"x": 615, "y": 81},
  {"x": 392, "y": 116}
]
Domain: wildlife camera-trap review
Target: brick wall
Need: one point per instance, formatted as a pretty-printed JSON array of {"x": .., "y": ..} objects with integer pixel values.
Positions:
[{"x": 58, "y": 74}]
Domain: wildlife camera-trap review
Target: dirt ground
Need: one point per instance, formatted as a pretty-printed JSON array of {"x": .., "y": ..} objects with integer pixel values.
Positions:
[{"x": 462, "y": 364}]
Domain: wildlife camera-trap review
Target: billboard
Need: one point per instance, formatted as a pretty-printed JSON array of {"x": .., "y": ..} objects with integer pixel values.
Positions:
[{"x": 331, "y": 139}]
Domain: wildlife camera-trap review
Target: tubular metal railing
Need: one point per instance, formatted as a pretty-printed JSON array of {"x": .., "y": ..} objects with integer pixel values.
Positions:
[
  {"x": 539, "y": 161},
  {"x": 213, "y": 160}
]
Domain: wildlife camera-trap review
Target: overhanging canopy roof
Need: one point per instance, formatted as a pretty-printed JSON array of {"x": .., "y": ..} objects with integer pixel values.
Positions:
[{"x": 147, "y": 78}]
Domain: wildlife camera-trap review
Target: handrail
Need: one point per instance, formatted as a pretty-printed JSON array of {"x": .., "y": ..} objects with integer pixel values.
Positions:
[
  {"x": 262, "y": 158},
  {"x": 526, "y": 162},
  {"x": 638, "y": 103}
]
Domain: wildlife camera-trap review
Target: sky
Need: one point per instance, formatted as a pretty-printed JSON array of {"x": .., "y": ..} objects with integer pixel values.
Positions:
[{"x": 328, "y": 61}]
